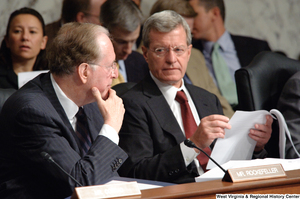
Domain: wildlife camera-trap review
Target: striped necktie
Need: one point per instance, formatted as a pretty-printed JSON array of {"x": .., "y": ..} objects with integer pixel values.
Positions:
[{"x": 82, "y": 131}]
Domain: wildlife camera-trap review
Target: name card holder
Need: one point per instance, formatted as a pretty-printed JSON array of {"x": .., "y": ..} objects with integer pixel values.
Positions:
[
  {"x": 112, "y": 190},
  {"x": 254, "y": 173}
]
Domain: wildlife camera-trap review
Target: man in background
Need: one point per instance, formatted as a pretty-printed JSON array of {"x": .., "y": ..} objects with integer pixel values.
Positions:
[
  {"x": 224, "y": 53},
  {"x": 87, "y": 11},
  {"x": 123, "y": 19}
]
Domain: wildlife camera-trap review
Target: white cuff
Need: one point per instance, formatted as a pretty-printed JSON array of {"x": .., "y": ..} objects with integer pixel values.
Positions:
[{"x": 110, "y": 133}]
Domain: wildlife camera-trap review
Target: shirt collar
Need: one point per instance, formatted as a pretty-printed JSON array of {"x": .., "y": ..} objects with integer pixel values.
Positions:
[
  {"x": 168, "y": 91},
  {"x": 224, "y": 41},
  {"x": 68, "y": 105}
]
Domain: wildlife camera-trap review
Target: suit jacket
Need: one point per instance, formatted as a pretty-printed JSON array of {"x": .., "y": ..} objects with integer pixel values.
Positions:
[
  {"x": 289, "y": 106},
  {"x": 136, "y": 67},
  {"x": 151, "y": 135},
  {"x": 51, "y": 31},
  {"x": 32, "y": 121},
  {"x": 246, "y": 47},
  {"x": 199, "y": 75}
]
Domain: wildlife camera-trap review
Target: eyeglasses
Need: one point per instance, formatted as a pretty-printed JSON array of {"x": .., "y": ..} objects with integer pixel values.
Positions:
[
  {"x": 110, "y": 68},
  {"x": 162, "y": 51}
]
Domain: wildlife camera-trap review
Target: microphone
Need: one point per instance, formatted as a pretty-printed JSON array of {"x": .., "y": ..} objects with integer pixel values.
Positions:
[
  {"x": 191, "y": 144},
  {"x": 47, "y": 157}
]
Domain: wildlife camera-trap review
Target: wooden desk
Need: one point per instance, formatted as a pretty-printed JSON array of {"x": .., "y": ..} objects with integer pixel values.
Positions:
[{"x": 288, "y": 185}]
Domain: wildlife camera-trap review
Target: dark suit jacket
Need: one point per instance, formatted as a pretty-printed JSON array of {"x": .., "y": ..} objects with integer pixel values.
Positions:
[
  {"x": 33, "y": 121},
  {"x": 136, "y": 67},
  {"x": 151, "y": 134},
  {"x": 289, "y": 106},
  {"x": 246, "y": 47}
]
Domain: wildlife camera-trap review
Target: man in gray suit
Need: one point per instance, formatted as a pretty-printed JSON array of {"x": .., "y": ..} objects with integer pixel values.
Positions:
[
  {"x": 42, "y": 118},
  {"x": 153, "y": 131}
]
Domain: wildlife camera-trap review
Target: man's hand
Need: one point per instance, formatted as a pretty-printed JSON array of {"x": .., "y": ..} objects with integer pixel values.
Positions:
[
  {"x": 262, "y": 133},
  {"x": 112, "y": 109},
  {"x": 210, "y": 128}
]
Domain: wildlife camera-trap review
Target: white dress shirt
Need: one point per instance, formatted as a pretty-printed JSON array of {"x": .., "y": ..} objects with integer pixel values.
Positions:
[
  {"x": 169, "y": 92},
  {"x": 71, "y": 109}
]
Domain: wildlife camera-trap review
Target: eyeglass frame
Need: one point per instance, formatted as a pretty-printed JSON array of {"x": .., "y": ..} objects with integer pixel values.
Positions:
[
  {"x": 168, "y": 50},
  {"x": 110, "y": 68}
]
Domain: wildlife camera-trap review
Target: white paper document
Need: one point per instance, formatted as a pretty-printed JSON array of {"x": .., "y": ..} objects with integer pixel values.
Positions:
[{"x": 237, "y": 145}]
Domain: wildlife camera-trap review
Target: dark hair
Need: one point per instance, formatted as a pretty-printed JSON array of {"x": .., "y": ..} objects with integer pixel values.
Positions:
[
  {"x": 209, "y": 4},
  {"x": 5, "y": 54},
  {"x": 70, "y": 8},
  {"x": 182, "y": 7}
]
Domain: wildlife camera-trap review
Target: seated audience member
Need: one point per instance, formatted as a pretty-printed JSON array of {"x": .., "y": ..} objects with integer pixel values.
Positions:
[
  {"x": 224, "y": 53},
  {"x": 22, "y": 48},
  {"x": 123, "y": 19},
  {"x": 71, "y": 113},
  {"x": 86, "y": 11},
  {"x": 196, "y": 72},
  {"x": 289, "y": 106},
  {"x": 153, "y": 130}
]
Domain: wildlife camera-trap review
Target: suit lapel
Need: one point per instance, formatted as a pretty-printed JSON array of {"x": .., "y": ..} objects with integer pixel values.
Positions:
[
  {"x": 51, "y": 95},
  {"x": 161, "y": 110}
]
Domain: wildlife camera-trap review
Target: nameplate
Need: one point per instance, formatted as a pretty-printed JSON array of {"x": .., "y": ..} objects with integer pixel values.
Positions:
[
  {"x": 107, "y": 191},
  {"x": 254, "y": 173}
]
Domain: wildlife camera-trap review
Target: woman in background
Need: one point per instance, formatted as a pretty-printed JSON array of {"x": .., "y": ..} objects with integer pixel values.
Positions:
[{"x": 22, "y": 48}]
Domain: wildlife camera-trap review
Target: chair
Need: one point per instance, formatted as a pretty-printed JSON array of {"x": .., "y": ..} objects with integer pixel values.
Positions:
[
  {"x": 122, "y": 88},
  {"x": 4, "y": 94},
  {"x": 259, "y": 86}
]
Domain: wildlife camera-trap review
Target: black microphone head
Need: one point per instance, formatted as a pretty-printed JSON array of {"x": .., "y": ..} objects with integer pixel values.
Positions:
[
  {"x": 189, "y": 143},
  {"x": 46, "y": 156}
]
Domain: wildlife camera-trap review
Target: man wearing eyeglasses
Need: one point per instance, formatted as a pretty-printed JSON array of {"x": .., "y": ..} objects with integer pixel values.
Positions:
[
  {"x": 70, "y": 113},
  {"x": 162, "y": 110}
]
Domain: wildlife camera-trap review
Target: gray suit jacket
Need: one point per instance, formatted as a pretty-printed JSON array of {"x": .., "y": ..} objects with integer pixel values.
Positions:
[
  {"x": 151, "y": 134},
  {"x": 289, "y": 106},
  {"x": 32, "y": 121}
]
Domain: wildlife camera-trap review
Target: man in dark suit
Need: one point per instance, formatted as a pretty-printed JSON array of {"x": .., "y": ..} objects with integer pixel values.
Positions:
[
  {"x": 85, "y": 11},
  {"x": 153, "y": 129},
  {"x": 288, "y": 105},
  {"x": 42, "y": 118},
  {"x": 123, "y": 19},
  {"x": 236, "y": 51}
]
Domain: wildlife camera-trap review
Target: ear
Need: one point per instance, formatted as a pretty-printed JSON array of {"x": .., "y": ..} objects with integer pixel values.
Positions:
[
  {"x": 189, "y": 50},
  {"x": 216, "y": 13},
  {"x": 44, "y": 42},
  {"x": 80, "y": 17},
  {"x": 83, "y": 72},
  {"x": 145, "y": 53}
]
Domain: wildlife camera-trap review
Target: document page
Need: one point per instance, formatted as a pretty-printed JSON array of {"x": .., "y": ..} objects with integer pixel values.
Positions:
[{"x": 237, "y": 145}]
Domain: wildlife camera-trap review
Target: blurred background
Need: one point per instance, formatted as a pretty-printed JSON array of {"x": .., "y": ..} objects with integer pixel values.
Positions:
[{"x": 276, "y": 21}]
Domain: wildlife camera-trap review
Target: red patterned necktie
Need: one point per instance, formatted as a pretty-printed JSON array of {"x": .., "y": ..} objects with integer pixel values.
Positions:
[
  {"x": 82, "y": 131},
  {"x": 190, "y": 125}
]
